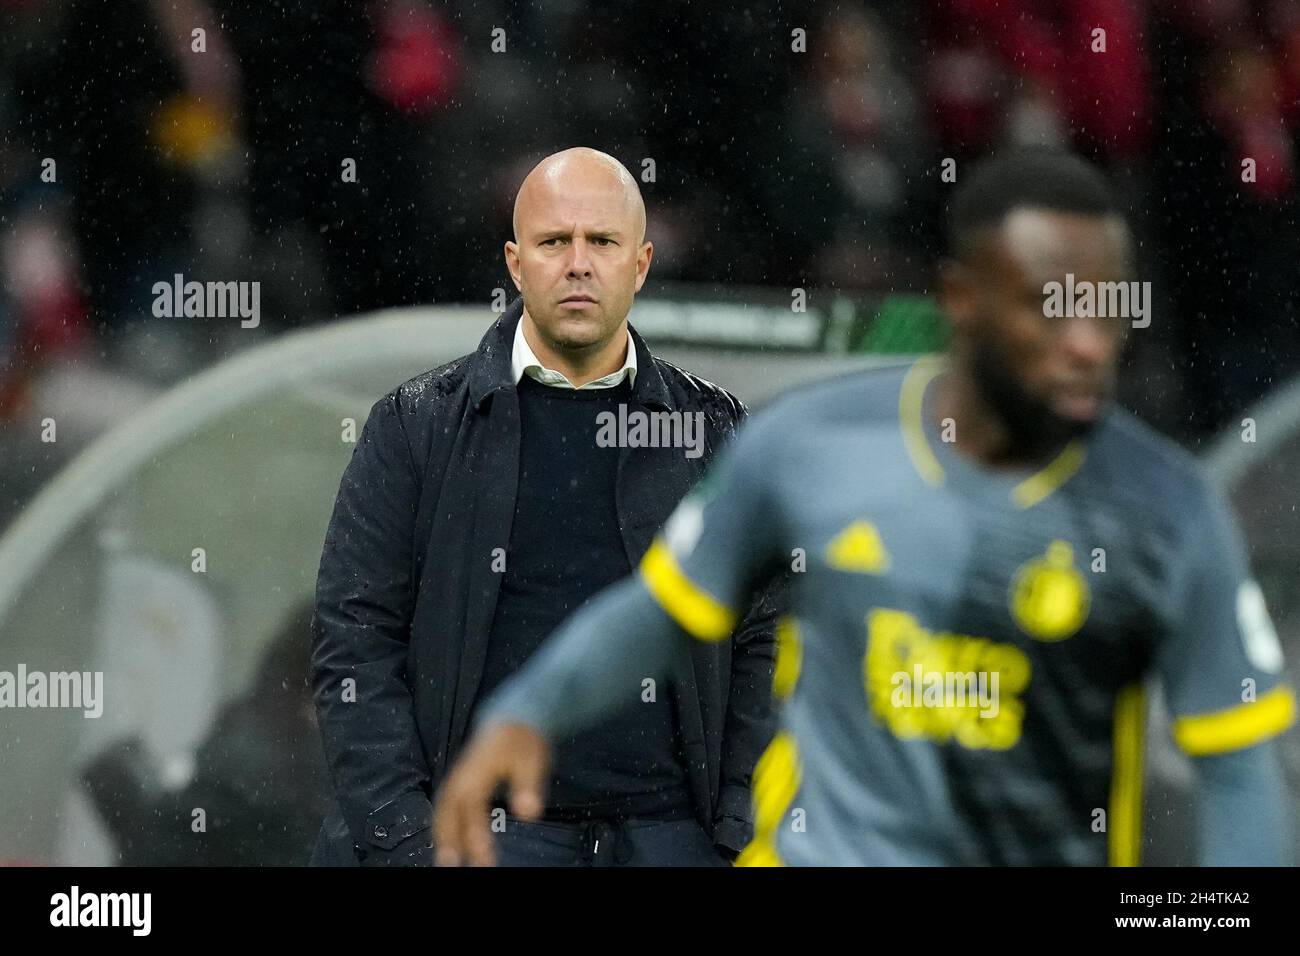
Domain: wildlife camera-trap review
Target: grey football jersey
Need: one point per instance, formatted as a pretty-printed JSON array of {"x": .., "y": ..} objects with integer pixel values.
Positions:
[{"x": 961, "y": 674}]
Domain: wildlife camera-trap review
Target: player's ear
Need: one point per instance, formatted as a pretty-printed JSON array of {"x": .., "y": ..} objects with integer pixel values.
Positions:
[
  {"x": 512, "y": 263},
  {"x": 957, "y": 292},
  {"x": 643, "y": 263}
]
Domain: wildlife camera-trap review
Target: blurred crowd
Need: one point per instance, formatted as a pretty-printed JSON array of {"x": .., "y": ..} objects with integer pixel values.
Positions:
[{"x": 761, "y": 164}]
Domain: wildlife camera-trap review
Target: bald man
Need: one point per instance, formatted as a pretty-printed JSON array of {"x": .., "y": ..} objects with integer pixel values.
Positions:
[{"x": 489, "y": 499}]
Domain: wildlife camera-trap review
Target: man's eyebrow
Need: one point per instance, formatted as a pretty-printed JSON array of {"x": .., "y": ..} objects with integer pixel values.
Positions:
[{"x": 562, "y": 232}]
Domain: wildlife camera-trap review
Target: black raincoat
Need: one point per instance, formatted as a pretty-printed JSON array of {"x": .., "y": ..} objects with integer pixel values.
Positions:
[{"x": 406, "y": 594}]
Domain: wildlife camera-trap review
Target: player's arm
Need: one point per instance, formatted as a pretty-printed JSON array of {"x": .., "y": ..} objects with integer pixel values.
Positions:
[
  {"x": 689, "y": 586},
  {"x": 1243, "y": 808},
  {"x": 1221, "y": 667}
]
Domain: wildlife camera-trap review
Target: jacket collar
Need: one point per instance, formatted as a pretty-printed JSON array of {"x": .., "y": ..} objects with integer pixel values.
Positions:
[{"x": 492, "y": 367}]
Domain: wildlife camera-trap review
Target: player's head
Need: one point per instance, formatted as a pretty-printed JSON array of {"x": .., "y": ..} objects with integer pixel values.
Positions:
[
  {"x": 1019, "y": 221},
  {"x": 579, "y": 253}
]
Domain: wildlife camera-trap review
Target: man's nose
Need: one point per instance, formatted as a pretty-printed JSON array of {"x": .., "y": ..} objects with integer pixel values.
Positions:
[
  {"x": 579, "y": 262},
  {"x": 1091, "y": 341}
]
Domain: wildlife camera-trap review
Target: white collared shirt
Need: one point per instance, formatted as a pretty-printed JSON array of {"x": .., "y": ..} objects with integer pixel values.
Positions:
[{"x": 523, "y": 361}]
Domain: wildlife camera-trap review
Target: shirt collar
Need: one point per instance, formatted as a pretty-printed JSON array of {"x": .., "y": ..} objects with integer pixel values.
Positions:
[{"x": 523, "y": 361}]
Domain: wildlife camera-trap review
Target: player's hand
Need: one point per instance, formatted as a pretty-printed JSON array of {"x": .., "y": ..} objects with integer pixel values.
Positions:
[{"x": 513, "y": 754}]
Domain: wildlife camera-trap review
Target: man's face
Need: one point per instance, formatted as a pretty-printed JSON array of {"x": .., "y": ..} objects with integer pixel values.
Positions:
[
  {"x": 578, "y": 258},
  {"x": 1048, "y": 377}
]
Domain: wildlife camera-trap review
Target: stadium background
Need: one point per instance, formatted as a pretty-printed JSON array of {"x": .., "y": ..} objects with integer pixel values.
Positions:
[{"x": 772, "y": 171}]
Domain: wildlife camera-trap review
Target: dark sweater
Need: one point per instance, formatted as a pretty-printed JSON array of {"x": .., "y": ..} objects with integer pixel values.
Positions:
[{"x": 565, "y": 546}]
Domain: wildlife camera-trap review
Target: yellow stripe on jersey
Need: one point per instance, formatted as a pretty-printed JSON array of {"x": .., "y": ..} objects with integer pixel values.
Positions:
[
  {"x": 776, "y": 781},
  {"x": 911, "y": 400},
  {"x": 909, "y": 418},
  {"x": 759, "y": 853},
  {"x": 1038, "y": 486},
  {"x": 1237, "y": 727},
  {"x": 789, "y": 657},
  {"x": 1124, "y": 817},
  {"x": 696, "y": 611}
]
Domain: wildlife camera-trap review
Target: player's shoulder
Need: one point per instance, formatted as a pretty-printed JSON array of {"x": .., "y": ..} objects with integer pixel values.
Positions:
[
  {"x": 1152, "y": 467},
  {"x": 861, "y": 397},
  {"x": 812, "y": 418}
]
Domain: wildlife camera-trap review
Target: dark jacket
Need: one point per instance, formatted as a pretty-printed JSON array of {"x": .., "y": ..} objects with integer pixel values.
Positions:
[{"x": 406, "y": 594}]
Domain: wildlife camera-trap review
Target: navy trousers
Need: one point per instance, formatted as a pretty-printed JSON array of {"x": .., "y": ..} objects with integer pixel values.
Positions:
[{"x": 606, "y": 843}]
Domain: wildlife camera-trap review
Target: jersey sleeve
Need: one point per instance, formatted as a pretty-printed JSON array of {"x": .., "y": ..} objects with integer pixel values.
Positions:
[
  {"x": 1221, "y": 663},
  {"x": 722, "y": 540}
]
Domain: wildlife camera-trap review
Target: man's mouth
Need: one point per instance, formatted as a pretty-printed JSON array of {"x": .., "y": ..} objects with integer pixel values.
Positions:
[
  {"x": 578, "y": 299},
  {"x": 1079, "y": 404}
]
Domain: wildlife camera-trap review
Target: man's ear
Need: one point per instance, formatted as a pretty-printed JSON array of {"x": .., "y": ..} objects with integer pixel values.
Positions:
[
  {"x": 643, "y": 263},
  {"x": 512, "y": 263}
]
